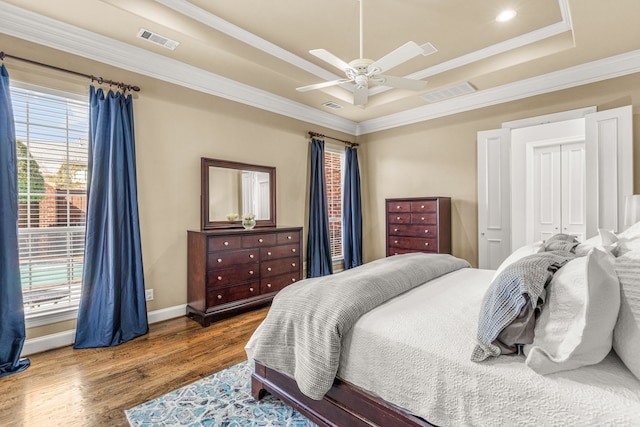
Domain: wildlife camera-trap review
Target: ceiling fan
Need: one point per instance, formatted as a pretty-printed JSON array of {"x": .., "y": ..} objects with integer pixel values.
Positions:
[{"x": 361, "y": 71}]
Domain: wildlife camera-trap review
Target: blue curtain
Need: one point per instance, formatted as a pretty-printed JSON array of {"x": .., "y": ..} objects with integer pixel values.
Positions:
[
  {"x": 352, "y": 211},
  {"x": 318, "y": 244},
  {"x": 112, "y": 308},
  {"x": 12, "y": 330}
]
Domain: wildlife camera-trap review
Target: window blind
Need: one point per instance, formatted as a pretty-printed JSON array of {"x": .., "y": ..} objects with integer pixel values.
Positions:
[
  {"x": 333, "y": 165},
  {"x": 52, "y": 150}
]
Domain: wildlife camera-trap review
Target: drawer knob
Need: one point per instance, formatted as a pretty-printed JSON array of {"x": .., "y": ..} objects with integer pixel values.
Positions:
[
  {"x": 293, "y": 250},
  {"x": 219, "y": 259},
  {"x": 288, "y": 237},
  {"x": 293, "y": 264},
  {"x": 250, "y": 271},
  {"x": 395, "y": 229},
  {"x": 250, "y": 289},
  {"x": 398, "y": 207},
  {"x": 268, "y": 285},
  {"x": 251, "y": 256},
  {"x": 422, "y": 219},
  {"x": 219, "y": 296},
  {"x": 426, "y": 244},
  {"x": 219, "y": 277},
  {"x": 293, "y": 279},
  {"x": 268, "y": 268},
  {"x": 422, "y": 207},
  {"x": 398, "y": 218},
  {"x": 226, "y": 243},
  {"x": 426, "y": 231},
  {"x": 260, "y": 240},
  {"x": 269, "y": 253},
  {"x": 395, "y": 241}
]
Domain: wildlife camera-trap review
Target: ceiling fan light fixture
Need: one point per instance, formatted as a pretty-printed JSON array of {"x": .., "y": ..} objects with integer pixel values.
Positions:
[
  {"x": 506, "y": 15},
  {"x": 360, "y": 70}
]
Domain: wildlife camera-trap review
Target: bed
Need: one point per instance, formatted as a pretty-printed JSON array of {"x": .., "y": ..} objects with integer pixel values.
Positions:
[{"x": 407, "y": 362}]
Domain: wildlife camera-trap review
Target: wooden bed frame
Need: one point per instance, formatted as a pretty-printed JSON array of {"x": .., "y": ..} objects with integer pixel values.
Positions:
[{"x": 344, "y": 405}]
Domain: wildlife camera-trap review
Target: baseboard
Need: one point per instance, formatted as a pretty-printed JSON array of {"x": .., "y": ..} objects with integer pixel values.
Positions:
[{"x": 62, "y": 339}]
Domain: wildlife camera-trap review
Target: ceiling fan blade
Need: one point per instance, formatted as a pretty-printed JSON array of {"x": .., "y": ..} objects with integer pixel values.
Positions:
[
  {"x": 399, "y": 82},
  {"x": 330, "y": 58},
  {"x": 360, "y": 95},
  {"x": 403, "y": 53},
  {"x": 322, "y": 85}
]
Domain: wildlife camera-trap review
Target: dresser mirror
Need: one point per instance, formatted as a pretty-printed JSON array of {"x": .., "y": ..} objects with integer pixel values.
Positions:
[{"x": 230, "y": 190}]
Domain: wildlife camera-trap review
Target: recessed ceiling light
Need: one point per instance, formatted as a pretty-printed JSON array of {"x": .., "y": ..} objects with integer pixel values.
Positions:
[{"x": 506, "y": 15}]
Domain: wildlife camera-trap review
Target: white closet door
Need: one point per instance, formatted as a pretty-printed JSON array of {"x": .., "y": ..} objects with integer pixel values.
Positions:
[
  {"x": 609, "y": 158},
  {"x": 494, "y": 204},
  {"x": 544, "y": 190},
  {"x": 574, "y": 190}
]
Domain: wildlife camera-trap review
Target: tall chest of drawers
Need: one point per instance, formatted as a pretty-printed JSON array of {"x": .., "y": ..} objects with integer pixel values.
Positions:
[
  {"x": 233, "y": 270},
  {"x": 421, "y": 224}
]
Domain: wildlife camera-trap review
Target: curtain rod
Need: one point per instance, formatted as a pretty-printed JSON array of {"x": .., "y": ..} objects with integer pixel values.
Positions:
[
  {"x": 100, "y": 80},
  {"x": 349, "y": 143}
]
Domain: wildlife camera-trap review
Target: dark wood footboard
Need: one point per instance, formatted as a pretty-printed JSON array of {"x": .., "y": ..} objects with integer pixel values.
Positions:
[{"x": 344, "y": 405}]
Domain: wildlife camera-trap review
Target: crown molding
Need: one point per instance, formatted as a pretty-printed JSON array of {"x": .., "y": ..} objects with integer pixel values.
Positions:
[
  {"x": 45, "y": 31},
  {"x": 591, "y": 72},
  {"x": 39, "y": 29}
]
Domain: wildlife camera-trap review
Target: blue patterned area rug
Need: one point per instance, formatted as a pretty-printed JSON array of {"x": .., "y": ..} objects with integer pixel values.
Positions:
[{"x": 222, "y": 399}]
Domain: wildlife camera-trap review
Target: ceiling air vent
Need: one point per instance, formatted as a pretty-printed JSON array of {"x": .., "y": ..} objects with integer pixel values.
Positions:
[
  {"x": 332, "y": 105},
  {"x": 157, "y": 39},
  {"x": 448, "y": 92}
]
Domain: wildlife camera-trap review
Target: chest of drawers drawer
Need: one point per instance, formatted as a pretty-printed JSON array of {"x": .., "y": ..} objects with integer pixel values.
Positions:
[
  {"x": 276, "y": 283},
  {"x": 232, "y": 258},
  {"x": 282, "y": 251},
  {"x": 228, "y": 276},
  {"x": 223, "y": 243},
  {"x": 232, "y": 293},
  {"x": 399, "y": 218},
  {"x": 259, "y": 240},
  {"x": 424, "y": 218},
  {"x": 413, "y": 230},
  {"x": 398, "y": 207},
  {"x": 417, "y": 243},
  {"x": 286, "y": 238},
  {"x": 279, "y": 266}
]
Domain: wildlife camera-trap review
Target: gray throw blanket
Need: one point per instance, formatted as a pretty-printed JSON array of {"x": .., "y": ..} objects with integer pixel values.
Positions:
[
  {"x": 510, "y": 300},
  {"x": 302, "y": 333}
]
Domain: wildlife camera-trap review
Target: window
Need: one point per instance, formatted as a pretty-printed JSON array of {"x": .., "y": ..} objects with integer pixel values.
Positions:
[
  {"x": 333, "y": 168},
  {"x": 52, "y": 150}
]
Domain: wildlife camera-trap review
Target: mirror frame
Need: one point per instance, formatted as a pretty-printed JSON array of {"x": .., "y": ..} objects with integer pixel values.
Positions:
[{"x": 205, "y": 164}]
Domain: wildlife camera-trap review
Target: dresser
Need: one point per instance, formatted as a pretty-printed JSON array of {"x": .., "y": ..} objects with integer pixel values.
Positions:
[
  {"x": 420, "y": 224},
  {"x": 229, "y": 271}
]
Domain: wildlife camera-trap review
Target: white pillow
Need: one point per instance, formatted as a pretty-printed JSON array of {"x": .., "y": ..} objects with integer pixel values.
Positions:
[
  {"x": 605, "y": 240},
  {"x": 575, "y": 327},
  {"x": 626, "y": 335},
  {"x": 629, "y": 239},
  {"x": 519, "y": 253}
]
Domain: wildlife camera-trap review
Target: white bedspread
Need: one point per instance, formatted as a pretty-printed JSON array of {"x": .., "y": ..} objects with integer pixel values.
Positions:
[{"x": 414, "y": 350}]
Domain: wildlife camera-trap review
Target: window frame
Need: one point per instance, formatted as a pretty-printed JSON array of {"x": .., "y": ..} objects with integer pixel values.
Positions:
[
  {"x": 341, "y": 153},
  {"x": 69, "y": 312}
]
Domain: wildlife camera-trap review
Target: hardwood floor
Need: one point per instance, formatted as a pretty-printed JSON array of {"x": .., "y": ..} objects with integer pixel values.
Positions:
[{"x": 92, "y": 387}]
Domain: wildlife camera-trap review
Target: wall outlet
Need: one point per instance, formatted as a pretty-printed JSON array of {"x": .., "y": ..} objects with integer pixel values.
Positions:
[{"x": 148, "y": 294}]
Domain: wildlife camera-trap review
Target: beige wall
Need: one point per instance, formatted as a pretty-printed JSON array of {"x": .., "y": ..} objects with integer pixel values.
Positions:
[
  {"x": 176, "y": 126},
  {"x": 438, "y": 158}
]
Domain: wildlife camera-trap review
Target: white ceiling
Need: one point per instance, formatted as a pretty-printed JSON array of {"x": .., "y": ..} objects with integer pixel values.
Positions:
[{"x": 256, "y": 51}]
